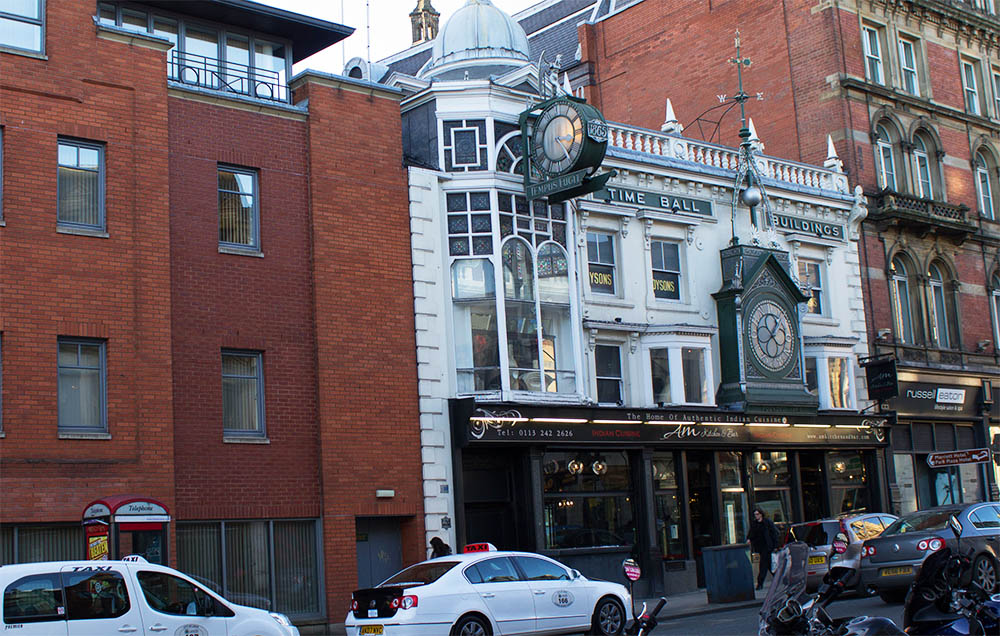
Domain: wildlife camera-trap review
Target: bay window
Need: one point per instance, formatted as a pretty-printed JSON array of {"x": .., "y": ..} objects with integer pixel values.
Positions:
[
  {"x": 680, "y": 372},
  {"x": 477, "y": 347},
  {"x": 830, "y": 377}
]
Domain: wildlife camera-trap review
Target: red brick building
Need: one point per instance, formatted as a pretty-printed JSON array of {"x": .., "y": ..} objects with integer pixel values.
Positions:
[
  {"x": 910, "y": 95},
  {"x": 206, "y": 301}
]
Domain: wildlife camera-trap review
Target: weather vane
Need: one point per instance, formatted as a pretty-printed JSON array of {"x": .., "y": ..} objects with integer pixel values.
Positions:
[{"x": 751, "y": 194}]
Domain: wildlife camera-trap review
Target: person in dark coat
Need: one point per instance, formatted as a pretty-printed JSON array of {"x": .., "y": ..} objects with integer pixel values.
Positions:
[
  {"x": 763, "y": 538},
  {"x": 439, "y": 548}
]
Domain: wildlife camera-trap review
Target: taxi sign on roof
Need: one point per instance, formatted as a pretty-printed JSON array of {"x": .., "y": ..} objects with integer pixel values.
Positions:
[{"x": 479, "y": 547}]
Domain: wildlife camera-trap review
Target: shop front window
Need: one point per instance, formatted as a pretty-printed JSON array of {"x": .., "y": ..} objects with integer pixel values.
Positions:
[
  {"x": 771, "y": 486},
  {"x": 588, "y": 500},
  {"x": 848, "y": 482},
  {"x": 903, "y": 465},
  {"x": 668, "y": 521}
]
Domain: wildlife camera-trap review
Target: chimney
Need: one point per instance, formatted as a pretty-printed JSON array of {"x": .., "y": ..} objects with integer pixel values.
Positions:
[{"x": 424, "y": 19}]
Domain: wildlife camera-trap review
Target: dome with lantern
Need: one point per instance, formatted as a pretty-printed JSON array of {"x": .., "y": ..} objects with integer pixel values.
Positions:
[{"x": 477, "y": 42}]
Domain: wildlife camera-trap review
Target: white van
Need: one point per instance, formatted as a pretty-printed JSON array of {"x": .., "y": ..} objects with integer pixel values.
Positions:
[{"x": 131, "y": 596}]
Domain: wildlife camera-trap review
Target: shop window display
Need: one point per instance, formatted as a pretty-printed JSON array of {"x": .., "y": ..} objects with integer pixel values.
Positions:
[{"x": 588, "y": 500}]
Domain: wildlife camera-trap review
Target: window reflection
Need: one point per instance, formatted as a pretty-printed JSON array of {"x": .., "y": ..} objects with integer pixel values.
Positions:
[{"x": 587, "y": 500}]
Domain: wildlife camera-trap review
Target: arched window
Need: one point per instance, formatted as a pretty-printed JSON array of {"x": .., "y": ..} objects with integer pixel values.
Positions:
[
  {"x": 899, "y": 289},
  {"x": 509, "y": 153},
  {"x": 938, "y": 310},
  {"x": 922, "y": 168},
  {"x": 884, "y": 159},
  {"x": 984, "y": 188}
]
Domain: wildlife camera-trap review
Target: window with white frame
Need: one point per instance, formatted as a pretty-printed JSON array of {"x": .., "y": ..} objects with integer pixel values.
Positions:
[
  {"x": 970, "y": 86},
  {"x": 666, "y": 262},
  {"x": 22, "y": 24},
  {"x": 987, "y": 6},
  {"x": 80, "y": 186},
  {"x": 82, "y": 370},
  {"x": 242, "y": 393},
  {"x": 601, "y": 263},
  {"x": 884, "y": 156},
  {"x": 909, "y": 80},
  {"x": 239, "y": 208},
  {"x": 922, "y": 165},
  {"x": 984, "y": 189},
  {"x": 872, "y": 38},
  {"x": 811, "y": 282},
  {"x": 608, "y": 370},
  {"x": 939, "y": 307},
  {"x": 680, "y": 373},
  {"x": 477, "y": 345},
  {"x": 995, "y": 74},
  {"x": 830, "y": 377},
  {"x": 899, "y": 289},
  {"x": 995, "y": 305}
]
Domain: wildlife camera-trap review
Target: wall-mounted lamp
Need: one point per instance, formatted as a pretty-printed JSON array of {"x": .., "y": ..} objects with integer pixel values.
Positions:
[
  {"x": 385, "y": 493},
  {"x": 884, "y": 334},
  {"x": 575, "y": 467},
  {"x": 981, "y": 345},
  {"x": 599, "y": 467}
]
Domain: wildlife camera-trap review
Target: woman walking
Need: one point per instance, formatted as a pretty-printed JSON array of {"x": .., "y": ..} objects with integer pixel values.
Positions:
[{"x": 763, "y": 538}]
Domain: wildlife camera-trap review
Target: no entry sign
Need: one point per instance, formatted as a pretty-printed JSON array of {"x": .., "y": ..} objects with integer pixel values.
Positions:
[{"x": 954, "y": 458}]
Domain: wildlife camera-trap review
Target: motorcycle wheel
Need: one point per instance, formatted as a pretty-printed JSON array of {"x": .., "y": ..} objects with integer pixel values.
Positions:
[{"x": 984, "y": 573}]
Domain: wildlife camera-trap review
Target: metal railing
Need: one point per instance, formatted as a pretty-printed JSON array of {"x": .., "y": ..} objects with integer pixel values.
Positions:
[
  {"x": 231, "y": 77},
  {"x": 724, "y": 157}
]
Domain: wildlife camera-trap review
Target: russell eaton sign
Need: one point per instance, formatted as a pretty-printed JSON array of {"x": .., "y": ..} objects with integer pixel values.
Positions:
[{"x": 925, "y": 398}]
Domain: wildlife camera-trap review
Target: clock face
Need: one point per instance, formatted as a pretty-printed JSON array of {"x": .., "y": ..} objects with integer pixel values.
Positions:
[
  {"x": 772, "y": 339},
  {"x": 557, "y": 139}
]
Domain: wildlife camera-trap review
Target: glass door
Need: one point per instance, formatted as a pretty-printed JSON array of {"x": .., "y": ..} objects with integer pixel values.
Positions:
[
  {"x": 701, "y": 506},
  {"x": 733, "y": 498},
  {"x": 771, "y": 479}
]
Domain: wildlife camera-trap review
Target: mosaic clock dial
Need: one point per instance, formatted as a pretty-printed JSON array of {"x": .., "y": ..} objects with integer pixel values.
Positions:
[{"x": 772, "y": 339}]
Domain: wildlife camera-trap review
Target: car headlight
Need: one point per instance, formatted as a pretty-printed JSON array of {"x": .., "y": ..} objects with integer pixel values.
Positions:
[{"x": 281, "y": 619}]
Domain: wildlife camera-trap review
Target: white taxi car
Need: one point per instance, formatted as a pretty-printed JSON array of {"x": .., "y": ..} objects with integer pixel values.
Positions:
[
  {"x": 131, "y": 596},
  {"x": 484, "y": 592}
]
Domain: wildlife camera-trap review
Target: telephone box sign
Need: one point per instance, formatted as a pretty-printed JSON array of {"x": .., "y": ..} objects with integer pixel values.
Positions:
[
  {"x": 96, "y": 510},
  {"x": 954, "y": 458}
]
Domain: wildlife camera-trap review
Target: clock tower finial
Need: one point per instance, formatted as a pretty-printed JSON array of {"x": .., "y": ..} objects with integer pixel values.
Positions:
[{"x": 425, "y": 20}]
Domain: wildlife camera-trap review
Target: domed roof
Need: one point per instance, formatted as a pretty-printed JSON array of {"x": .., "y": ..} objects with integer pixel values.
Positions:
[{"x": 479, "y": 39}]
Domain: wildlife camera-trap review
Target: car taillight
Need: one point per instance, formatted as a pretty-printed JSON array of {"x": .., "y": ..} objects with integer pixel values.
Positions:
[
  {"x": 404, "y": 602},
  {"x": 867, "y": 551},
  {"x": 933, "y": 545},
  {"x": 354, "y": 605}
]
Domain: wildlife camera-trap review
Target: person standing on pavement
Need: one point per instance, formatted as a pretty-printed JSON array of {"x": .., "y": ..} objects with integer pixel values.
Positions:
[
  {"x": 763, "y": 538},
  {"x": 439, "y": 548}
]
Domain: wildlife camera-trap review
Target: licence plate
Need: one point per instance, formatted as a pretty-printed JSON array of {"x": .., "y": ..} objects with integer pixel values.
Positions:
[
  {"x": 896, "y": 571},
  {"x": 370, "y": 629},
  {"x": 817, "y": 560}
]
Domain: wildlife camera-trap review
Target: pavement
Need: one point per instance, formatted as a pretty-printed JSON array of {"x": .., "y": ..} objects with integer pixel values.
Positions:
[{"x": 695, "y": 603}]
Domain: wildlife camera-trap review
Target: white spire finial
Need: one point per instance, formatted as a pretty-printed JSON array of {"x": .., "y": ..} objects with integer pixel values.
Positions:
[
  {"x": 670, "y": 123},
  {"x": 755, "y": 141},
  {"x": 833, "y": 161},
  {"x": 567, "y": 87}
]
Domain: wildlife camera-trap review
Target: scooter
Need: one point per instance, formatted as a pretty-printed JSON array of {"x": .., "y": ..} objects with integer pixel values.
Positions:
[
  {"x": 789, "y": 611},
  {"x": 937, "y": 603},
  {"x": 645, "y": 622}
]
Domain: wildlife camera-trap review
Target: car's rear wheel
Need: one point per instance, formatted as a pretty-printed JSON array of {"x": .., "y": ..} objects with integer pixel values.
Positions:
[
  {"x": 472, "y": 625},
  {"x": 893, "y": 596},
  {"x": 609, "y": 618},
  {"x": 984, "y": 573}
]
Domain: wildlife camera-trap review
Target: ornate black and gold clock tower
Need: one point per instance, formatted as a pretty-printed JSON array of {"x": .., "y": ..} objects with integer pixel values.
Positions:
[{"x": 760, "y": 332}]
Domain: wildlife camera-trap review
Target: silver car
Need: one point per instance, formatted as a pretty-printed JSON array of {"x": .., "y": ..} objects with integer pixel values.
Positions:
[
  {"x": 890, "y": 562},
  {"x": 819, "y": 536}
]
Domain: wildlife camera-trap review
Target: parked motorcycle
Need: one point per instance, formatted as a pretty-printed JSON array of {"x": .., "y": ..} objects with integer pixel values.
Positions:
[
  {"x": 789, "y": 611},
  {"x": 645, "y": 622},
  {"x": 939, "y": 603}
]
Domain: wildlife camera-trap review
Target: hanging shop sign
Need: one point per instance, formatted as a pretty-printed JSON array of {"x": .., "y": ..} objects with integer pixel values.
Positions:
[
  {"x": 954, "y": 458},
  {"x": 654, "y": 200},
  {"x": 518, "y": 425},
  {"x": 881, "y": 376},
  {"x": 929, "y": 398}
]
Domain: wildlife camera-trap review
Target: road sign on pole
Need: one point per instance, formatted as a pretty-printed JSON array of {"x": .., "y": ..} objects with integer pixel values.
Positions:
[{"x": 954, "y": 458}]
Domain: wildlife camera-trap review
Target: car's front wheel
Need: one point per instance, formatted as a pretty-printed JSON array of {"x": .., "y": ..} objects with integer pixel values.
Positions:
[
  {"x": 984, "y": 573},
  {"x": 472, "y": 625},
  {"x": 609, "y": 618}
]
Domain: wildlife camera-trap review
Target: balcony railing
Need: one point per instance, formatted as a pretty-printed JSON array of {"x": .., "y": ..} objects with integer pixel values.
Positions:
[
  {"x": 230, "y": 77},
  {"x": 920, "y": 215},
  {"x": 709, "y": 154}
]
